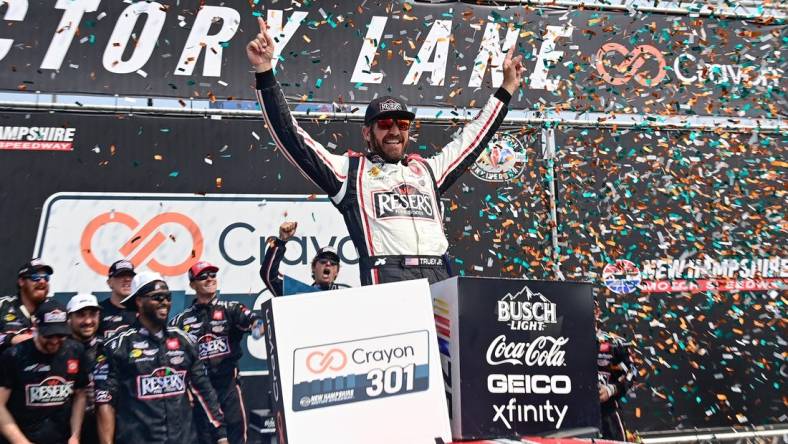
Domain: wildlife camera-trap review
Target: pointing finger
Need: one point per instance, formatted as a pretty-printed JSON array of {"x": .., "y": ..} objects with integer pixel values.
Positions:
[{"x": 262, "y": 25}]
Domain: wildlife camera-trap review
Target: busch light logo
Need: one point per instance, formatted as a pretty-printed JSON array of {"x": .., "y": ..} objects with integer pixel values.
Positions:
[
  {"x": 404, "y": 200},
  {"x": 212, "y": 346},
  {"x": 526, "y": 311},
  {"x": 161, "y": 383},
  {"x": 503, "y": 159},
  {"x": 51, "y": 391},
  {"x": 622, "y": 277}
]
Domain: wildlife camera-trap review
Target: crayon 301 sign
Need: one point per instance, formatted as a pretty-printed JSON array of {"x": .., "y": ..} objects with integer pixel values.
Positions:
[{"x": 360, "y": 370}]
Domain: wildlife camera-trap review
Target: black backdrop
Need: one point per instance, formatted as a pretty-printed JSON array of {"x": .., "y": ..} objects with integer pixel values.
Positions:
[{"x": 705, "y": 359}]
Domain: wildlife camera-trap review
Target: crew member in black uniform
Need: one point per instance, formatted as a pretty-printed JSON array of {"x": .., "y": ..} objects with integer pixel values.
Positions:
[
  {"x": 42, "y": 383},
  {"x": 145, "y": 373},
  {"x": 114, "y": 315},
  {"x": 83, "y": 318},
  {"x": 616, "y": 373},
  {"x": 33, "y": 287},
  {"x": 218, "y": 328},
  {"x": 325, "y": 264}
]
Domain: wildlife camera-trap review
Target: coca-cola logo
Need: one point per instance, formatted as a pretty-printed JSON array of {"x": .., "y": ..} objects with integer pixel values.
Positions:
[{"x": 545, "y": 351}]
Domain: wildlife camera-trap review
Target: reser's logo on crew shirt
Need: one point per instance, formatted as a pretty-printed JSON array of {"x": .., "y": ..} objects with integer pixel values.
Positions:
[
  {"x": 212, "y": 346},
  {"x": 161, "y": 383},
  {"x": 52, "y": 391},
  {"x": 403, "y": 201}
]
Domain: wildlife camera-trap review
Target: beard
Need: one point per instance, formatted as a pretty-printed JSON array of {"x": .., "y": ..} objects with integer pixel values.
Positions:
[
  {"x": 377, "y": 148},
  {"x": 148, "y": 311}
]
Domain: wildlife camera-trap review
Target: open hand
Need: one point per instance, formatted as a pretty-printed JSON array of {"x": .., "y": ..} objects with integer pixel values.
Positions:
[{"x": 260, "y": 50}]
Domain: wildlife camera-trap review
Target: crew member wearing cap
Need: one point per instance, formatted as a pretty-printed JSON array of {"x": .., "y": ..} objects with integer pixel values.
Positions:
[
  {"x": 325, "y": 264},
  {"x": 142, "y": 375},
  {"x": 42, "y": 382},
  {"x": 390, "y": 201},
  {"x": 114, "y": 315},
  {"x": 33, "y": 287},
  {"x": 218, "y": 328},
  {"x": 83, "y": 318},
  {"x": 616, "y": 374}
]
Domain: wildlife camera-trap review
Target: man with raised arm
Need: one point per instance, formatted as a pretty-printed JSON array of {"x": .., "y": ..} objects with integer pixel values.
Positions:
[{"x": 390, "y": 200}]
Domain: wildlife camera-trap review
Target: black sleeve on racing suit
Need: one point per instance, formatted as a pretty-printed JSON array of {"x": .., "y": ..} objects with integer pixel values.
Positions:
[
  {"x": 242, "y": 317},
  {"x": 625, "y": 374},
  {"x": 8, "y": 376},
  {"x": 323, "y": 168},
  {"x": 269, "y": 271},
  {"x": 105, "y": 371},
  {"x": 201, "y": 388}
]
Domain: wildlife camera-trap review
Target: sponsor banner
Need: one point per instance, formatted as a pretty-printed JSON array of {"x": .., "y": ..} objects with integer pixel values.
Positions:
[
  {"x": 431, "y": 54},
  {"x": 37, "y": 138},
  {"x": 360, "y": 370},
  {"x": 357, "y": 363},
  {"x": 694, "y": 276},
  {"x": 532, "y": 345},
  {"x": 85, "y": 232}
]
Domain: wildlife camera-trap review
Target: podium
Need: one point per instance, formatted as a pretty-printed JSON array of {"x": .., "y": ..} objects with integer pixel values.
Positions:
[
  {"x": 518, "y": 357},
  {"x": 356, "y": 365}
]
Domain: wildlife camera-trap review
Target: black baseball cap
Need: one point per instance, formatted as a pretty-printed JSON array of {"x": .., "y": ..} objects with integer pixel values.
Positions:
[
  {"x": 387, "y": 106},
  {"x": 121, "y": 267},
  {"x": 32, "y": 266},
  {"x": 328, "y": 252},
  {"x": 52, "y": 319}
]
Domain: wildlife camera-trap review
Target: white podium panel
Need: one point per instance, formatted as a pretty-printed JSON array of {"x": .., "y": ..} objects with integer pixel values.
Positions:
[{"x": 358, "y": 365}]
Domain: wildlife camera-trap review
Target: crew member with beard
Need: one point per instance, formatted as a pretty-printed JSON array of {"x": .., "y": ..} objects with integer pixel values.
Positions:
[
  {"x": 325, "y": 264},
  {"x": 83, "y": 318},
  {"x": 33, "y": 287},
  {"x": 145, "y": 373},
  {"x": 42, "y": 383},
  {"x": 114, "y": 315},
  {"x": 218, "y": 328},
  {"x": 390, "y": 201}
]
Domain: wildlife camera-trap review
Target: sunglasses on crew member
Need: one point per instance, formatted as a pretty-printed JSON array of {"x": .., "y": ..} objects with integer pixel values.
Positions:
[
  {"x": 205, "y": 275},
  {"x": 327, "y": 262},
  {"x": 37, "y": 277},
  {"x": 159, "y": 297},
  {"x": 386, "y": 124}
]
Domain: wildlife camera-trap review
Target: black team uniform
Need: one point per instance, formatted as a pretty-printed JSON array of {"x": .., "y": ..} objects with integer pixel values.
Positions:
[
  {"x": 114, "y": 319},
  {"x": 615, "y": 371},
  {"x": 218, "y": 328},
  {"x": 41, "y": 388},
  {"x": 146, "y": 376},
  {"x": 14, "y": 320}
]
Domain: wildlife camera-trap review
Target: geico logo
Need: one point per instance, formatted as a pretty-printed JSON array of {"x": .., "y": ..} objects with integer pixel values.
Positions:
[
  {"x": 300, "y": 249},
  {"x": 536, "y": 384},
  {"x": 526, "y": 311},
  {"x": 361, "y": 356},
  {"x": 136, "y": 241},
  {"x": 318, "y": 361}
]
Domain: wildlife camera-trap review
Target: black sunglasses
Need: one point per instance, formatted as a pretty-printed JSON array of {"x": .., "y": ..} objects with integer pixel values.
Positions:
[
  {"x": 37, "y": 277},
  {"x": 327, "y": 262},
  {"x": 159, "y": 297},
  {"x": 205, "y": 275}
]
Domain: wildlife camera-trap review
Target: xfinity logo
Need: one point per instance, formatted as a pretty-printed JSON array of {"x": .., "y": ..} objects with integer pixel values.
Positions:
[
  {"x": 161, "y": 383},
  {"x": 512, "y": 412},
  {"x": 49, "y": 392},
  {"x": 530, "y": 314},
  {"x": 403, "y": 201}
]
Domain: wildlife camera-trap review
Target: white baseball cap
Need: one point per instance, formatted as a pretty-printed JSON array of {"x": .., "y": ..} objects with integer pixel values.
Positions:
[
  {"x": 144, "y": 282},
  {"x": 82, "y": 300}
]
